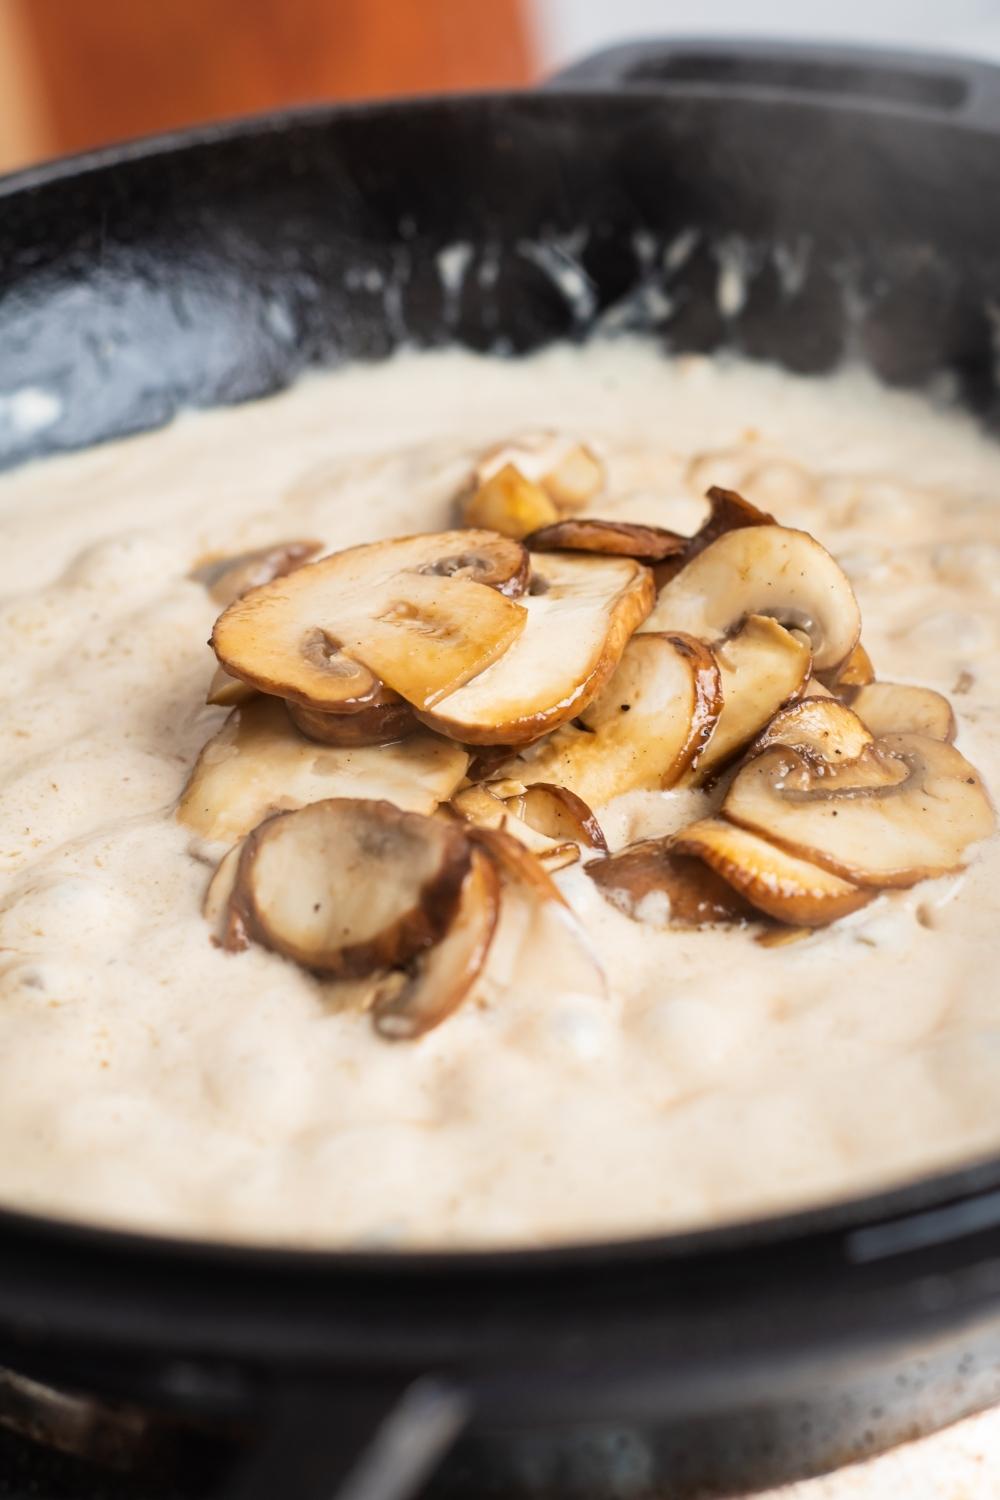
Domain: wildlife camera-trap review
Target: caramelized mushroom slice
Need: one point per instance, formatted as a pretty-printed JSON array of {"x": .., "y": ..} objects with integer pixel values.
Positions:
[
  {"x": 581, "y": 612},
  {"x": 228, "y": 692},
  {"x": 761, "y": 667},
  {"x": 504, "y": 565},
  {"x": 349, "y": 886},
  {"x": 897, "y": 708},
  {"x": 652, "y": 883},
  {"x": 443, "y": 975},
  {"x": 420, "y": 632},
  {"x": 225, "y": 920},
  {"x": 764, "y": 570},
  {"x": 377, "y": 724},
  {"x": 728, "y": 511},
  {"x": 516, "y": 862},
  {"x": 559, "y": 814},
  {"x": 904, "y": 810},
  {"x": 645, "y": 730},
  {"x": 509, "y": 503},
  {"x": 258, "y": 763},
  {"x": 565, "y": 468},
  {"x": 777, "y": 883},
  {"x": 820, "y": 728},
  {"x": 482, "y": 807},
  {"x": 856, "y": 671},
  {"x": 229, "y": 578},
  {"x": 609, "y": 538}
]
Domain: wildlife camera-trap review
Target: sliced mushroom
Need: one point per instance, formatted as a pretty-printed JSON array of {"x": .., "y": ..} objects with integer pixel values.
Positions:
[
  {"x": 777, "y": 883},
  {"x": 559, "y": 814},
  {"x": 820, "y": 728},
  {"x": 856, "y": 671},
  {"x": 897, "y": 708},
  {"x": 581, "y": 612},
  {"x": 609, "y": 539},
  {"x": 764, "y": 570},
  {"x": 761, "y": 667},
  {"x": 650, "y": 882},
  {"x": 350, "y": 885},
  {"x": 643, "y": 732},
  {"x": 727, "y": 511},
  {"x": 485, "y": 809},
  {"x": 229, "y": 578},
  {"x": 228, "y": 692},
  {"x": 378, "y": 724},
  {"x": 258, "y": 763},
  {"x": 443, "y": 975},
  {"x": 504, "y": 565},
  {"x": 393, "y": 607},
  {"x": 906, "y": 809},
  {"x": 568, "y": 470},
  {"x": 228, "y": 930},
  {"x": 509, "y": 503},
  {"x": 516, "y": 862}
]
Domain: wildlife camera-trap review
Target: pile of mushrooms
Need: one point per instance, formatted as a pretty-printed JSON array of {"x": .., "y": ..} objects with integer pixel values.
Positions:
[{"x": 422, "y": 726}]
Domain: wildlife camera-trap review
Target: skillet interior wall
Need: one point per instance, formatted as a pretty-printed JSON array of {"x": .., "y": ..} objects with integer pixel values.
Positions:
[{"x": 196, "y": 274}]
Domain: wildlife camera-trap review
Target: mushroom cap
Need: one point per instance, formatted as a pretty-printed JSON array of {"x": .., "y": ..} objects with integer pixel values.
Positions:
[
  {"x": 653, "y": 882},
  {"x": 777, "y": 883},
  {"x": 761, "y": 667},
  {"x": 412, "y": 610},
  {"x": 763, "y": 570},
  {"x": 349, "y": 885},
  {"x": 608, "y": 538},
  {"x": 382, "y": 723},
  {"x": 904, "y": 810},
  {"x": 820, "y": 728},
  {"x": 898, "y": 708}
]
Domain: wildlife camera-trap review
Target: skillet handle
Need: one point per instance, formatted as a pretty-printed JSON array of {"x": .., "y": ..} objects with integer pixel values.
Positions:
[
  {"x": 935, "y": 87},
  {"x": 325, "y": 1442}
]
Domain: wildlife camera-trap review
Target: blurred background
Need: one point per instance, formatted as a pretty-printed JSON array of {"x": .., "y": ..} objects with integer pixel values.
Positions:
[{"x": 79, "y": 73}]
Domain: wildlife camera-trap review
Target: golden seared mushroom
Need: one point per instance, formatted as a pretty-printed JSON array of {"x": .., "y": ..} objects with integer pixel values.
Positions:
[
  {"x": 559, "y": 814},
  {"x": 349, "y": 886},
  {"x": 581, "y": 612},
  {"x": 229, "y": 578},
  {"x": 650, "y": 544},
  {"x": 568, "y": 470},
  {"x": 484, "y": 809},
  {"x": 856, "y": 671},
  {"x": 764, "y": 570},
  {"x": 727, "y": 511},
  {"x": 777, "y": 883},
  {"x": 821, "y": 728},
  {"x": 228, "y": 692},
  {"x": 258, "y": 763},
  {"x": 443, "y": 975},
  {"x": 644, "y": 731},
  {"x": 761, "y": 667},
  {"x": 509, "y": 503},
  {"x": 906, "y": 809},
  {"x": 226, "y": 922},
  {"x": 650, "y": 882},
  {"x": 517, "y": 864},
  {"x": 378, "y": 723},
  {"x": 898, "y": 708},
  {"x": 409, "y": 610}
]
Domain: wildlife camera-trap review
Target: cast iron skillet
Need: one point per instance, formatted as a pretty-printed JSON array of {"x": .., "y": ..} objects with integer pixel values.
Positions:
[{"x": 859, "y": 194}]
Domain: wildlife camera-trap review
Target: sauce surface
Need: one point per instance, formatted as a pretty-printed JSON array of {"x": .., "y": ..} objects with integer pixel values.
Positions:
[{"x": 148, "y": 1079}]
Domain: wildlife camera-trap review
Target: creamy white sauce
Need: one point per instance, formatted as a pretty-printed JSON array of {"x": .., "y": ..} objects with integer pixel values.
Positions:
[{"x": 148, "y": 1078}]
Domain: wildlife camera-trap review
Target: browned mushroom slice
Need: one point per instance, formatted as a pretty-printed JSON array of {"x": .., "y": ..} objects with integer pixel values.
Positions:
[
  {"x": 728, "y": 511},
  {"x": 485, "y": 809},
  {"x": 820, "y": 728},
  {"x": 856, "y": 671},
  {"x": 777, "y": 883},
  {"x": 443, "y": 975},
  {"x": 764, "y": 570},
  {"x": 227, "y": 692},
  {"x": 761, "y": 667},
  {"x": 225, "y": 920},
  {"x": 509, "y": 503},
  {"x": 516, "y": 863},
  {"x": 229, "y": 578},
  {"x": 897, "y": 708},
  {"x": 652, "y": 883},
  {"x": 643, "y": 732},
  {"x": 906, "y": 809},
  {"x": 349, "y": 886},
  {"x": 419, "y": 632},
  {"x": 559, "y": 814},
  {"x": 566, "y": 469},
  {"x": 258, "y": 763},
  {"x": 609, "y": 538},
  {"x": 376, "y": 724},
  {"x": 505, "y": 566},
  {"x": 581, "y": 612}
]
